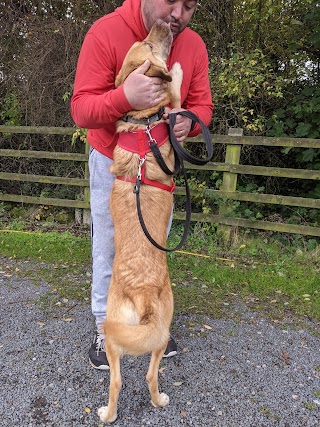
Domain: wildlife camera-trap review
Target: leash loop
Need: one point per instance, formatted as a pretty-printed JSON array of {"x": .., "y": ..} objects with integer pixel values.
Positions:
[{"x": 182, "y": 152}]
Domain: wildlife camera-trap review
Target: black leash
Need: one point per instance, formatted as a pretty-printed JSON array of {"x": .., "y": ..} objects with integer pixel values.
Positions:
[
  {"x": 187, "y": 221},
  {"x": 181, "y": 152},
  {"x": 180, "y": 155}
]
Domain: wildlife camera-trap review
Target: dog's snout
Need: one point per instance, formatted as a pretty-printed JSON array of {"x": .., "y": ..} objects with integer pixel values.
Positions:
[
  {"x": 160, "y": 22},
  {"x": 162, "y": 26}
]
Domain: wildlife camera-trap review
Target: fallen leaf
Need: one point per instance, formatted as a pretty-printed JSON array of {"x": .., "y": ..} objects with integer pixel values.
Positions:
[
  {"x": 207, "y": 327},
  {"x": 87, "y": 410},
  {"x": 285, "y": 357},
  {"x": 40, "y": 324}
]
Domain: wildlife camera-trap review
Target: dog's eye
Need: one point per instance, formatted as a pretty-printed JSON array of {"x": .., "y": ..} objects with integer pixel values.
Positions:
[{"x": 150, "y": 45}]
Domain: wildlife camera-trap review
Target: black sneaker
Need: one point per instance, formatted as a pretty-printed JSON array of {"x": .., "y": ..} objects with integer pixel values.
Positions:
[
  {"x": 97, "y": 353},
  {"x": 171, "y": 349}
]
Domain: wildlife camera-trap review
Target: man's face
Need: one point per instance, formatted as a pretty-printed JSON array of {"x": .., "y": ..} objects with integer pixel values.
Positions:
[{"x": 177, "y": 12}]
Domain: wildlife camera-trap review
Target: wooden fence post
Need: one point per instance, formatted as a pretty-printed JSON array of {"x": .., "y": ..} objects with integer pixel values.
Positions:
[
  {"x": 86, "y": 218},
  {"x": 229, "y": 180}
]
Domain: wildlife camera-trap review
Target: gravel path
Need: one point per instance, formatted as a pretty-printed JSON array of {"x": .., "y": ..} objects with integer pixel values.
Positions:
[{"x": 240, "y": 372}]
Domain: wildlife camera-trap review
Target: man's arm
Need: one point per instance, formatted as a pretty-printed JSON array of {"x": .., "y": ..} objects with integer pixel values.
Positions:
[
  {"x": 199, "y": 99},
  {"x": 96, "y": 102}
]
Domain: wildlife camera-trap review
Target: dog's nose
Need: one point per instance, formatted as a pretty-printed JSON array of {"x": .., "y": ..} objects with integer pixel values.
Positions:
[{"x": 162, "y": 23}]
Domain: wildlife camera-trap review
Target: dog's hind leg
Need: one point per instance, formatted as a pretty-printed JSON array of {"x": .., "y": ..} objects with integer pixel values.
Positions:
[
  {"x": 108, "y": 414},
  {"x": 157, "y": 399}
]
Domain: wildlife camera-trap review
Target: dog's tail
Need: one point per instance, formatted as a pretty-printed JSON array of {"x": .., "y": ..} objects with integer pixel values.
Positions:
[{"x": 147, "y": 336}]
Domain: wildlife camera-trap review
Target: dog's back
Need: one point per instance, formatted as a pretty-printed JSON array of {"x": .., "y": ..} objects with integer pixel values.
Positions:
[{"x": 140, "y": 304}]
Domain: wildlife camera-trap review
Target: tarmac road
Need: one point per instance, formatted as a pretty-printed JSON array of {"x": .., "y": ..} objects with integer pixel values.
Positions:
[{"x": 240, "y": 372}]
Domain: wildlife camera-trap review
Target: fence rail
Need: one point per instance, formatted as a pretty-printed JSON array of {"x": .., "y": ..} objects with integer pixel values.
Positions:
[{"x": 230, "y": 169}]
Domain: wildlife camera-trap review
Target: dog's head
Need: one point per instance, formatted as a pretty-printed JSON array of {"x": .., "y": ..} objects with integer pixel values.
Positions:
[{"x": 155, "y": 47}]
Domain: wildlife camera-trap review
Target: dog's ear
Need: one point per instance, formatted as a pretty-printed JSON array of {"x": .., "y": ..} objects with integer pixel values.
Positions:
[
  {"x": 153, "y": 71},
  {"x": 156, "y": 71}
]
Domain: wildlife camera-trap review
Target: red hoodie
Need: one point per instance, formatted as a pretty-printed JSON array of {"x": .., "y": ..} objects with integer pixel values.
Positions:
[{"x": 96, "y": 104}]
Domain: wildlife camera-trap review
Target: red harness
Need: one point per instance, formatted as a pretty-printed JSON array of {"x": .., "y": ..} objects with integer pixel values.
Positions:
[{"x": 139, "y": 142}]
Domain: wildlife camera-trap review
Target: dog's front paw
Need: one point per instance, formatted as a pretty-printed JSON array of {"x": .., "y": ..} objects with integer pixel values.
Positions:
[
  {"x": 105, "y": 416},
  {"x": 176, "y": 73},
  {"x": 163, "y": 400}
]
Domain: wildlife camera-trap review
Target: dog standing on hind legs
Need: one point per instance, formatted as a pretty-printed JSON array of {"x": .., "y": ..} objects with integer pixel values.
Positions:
[{"x": 140, "y": 300}]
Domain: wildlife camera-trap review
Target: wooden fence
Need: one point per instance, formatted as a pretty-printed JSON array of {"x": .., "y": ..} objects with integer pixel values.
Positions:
[{"x": 230, "y": 170}]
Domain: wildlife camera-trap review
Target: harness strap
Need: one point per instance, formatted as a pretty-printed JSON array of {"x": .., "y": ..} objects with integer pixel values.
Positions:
[
  {"x": 129, "y": 140},
  {"x": 187, "y": 221},
  {"x": 147, "y": 181},
  {"x": 141, "y": 147}
]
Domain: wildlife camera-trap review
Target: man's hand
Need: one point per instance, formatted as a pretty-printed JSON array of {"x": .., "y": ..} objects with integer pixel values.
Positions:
[
  {"x": 183, "y": 124},
  {"x": 142, "y": 91}
]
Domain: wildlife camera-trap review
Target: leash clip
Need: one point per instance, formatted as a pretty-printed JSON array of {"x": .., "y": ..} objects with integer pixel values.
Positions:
[
  {"x": 136, "y": 188},
  {"x": 151, "y": 139},
  {"x": 141, "y": 163}
]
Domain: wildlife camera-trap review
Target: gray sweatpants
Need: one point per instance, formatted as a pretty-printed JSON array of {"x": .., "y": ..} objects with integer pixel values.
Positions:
[{"x": 102, "y": 241}]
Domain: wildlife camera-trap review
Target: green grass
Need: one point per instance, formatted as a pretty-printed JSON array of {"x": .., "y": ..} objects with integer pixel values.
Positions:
[
  {"x": 275, "y": 277},
  {"x": 52, "y": 247},
  {"x": 274, "y": 287}
]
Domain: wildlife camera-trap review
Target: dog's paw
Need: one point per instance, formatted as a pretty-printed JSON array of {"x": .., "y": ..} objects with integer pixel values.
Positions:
[
  {"x": 104, "y": 415},
  {"x": 176, "y": 73},
  {"x": 162, "y": 401}
]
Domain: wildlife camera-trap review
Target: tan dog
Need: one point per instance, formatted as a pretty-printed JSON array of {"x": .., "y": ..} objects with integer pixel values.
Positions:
[{"x": 140, "y": 301}]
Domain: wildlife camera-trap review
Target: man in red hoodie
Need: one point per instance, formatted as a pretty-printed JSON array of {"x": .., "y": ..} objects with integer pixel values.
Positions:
[{"x": 96, "y": 105}]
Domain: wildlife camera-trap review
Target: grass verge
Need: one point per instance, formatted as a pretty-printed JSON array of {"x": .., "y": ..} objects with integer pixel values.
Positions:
[{"x": 267, "y": 275}]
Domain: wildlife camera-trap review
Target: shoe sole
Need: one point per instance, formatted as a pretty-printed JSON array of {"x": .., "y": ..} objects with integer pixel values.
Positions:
[
  {"x": 100, "y": 367},
  {"x": 172, "y": 353},
  {"x": 107, "y": 368}
]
